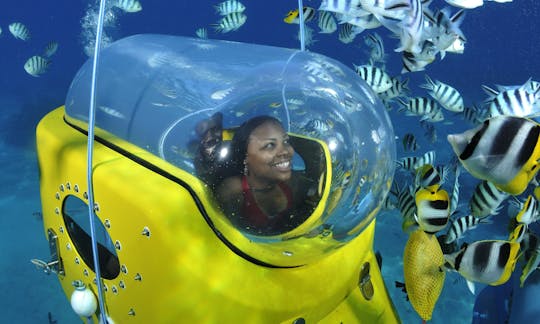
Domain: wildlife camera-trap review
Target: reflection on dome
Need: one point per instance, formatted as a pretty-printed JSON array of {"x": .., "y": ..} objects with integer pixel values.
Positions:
[{"x": 187, "y": 106}]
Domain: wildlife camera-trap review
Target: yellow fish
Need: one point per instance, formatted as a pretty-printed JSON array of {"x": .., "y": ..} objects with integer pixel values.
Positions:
[
  {"x": 432, "y": 208},
  {"x": 294, "y": 18},
  {"x": 510, "y": 164},
  {"x": 423, "y": 263}
]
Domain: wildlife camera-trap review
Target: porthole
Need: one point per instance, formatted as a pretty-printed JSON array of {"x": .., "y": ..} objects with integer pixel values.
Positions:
[{"x": 75, "y": 213}]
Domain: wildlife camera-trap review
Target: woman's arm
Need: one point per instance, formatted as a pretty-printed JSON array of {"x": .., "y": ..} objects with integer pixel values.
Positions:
[{"x": 229, "y": 195}]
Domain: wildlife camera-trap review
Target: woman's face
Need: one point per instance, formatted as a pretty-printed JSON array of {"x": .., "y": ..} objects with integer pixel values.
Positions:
[{"x": 269, "y": 154}]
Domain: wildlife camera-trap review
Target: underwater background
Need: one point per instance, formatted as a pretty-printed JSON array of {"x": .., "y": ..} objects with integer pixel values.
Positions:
[{"x": 502, "y": 48}]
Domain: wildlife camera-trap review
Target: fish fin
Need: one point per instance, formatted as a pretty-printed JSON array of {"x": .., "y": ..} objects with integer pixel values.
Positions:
[{"x": 470, "y": 285}]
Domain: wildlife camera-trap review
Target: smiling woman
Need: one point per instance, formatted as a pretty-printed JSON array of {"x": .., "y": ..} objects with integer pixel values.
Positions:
[{"x": 262, "y": 193}]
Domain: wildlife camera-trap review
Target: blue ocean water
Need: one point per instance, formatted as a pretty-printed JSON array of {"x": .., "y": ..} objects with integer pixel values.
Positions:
[{"x": 502, "y": 48}]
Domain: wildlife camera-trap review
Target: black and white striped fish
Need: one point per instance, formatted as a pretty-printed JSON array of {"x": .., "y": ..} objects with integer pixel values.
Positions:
[
  {"x": 518, "y": 102},
  {"x": 426, "y": 108},
  {"x": 486, "y": 200},
  {"x": 375, "y": 42},
  {"x": 202, "y": 33},
  {"x": 347, "y": 32},
  {"x": 461, "y": 225},
  {"x": 128, "y": 5},
  {"x": 327, "y": 23},
  {"x": 36, "y": 65},
  {"x": 472, "y": 115},
  {"x": 430, "y": 133},
  {"x": 230, "y": 22},
  {"x": 19, "y": 31},
  {"x": 447, "y": 96},
  {"x": 411, "y": 35},
  {"x": 412, "y": 163},
  {"x": 444, "y": 29},
  {"x": 350, "y": 8},
  {"x": 50, "y": 49},
  {"x": 432, "y": 209},
  {"x": 409, "y": 143},
  {"x": 362, "y": 23},
  {"x": 229, "y": 6},
  {"x": 427, "y": 176},
  {"x": 504, "y": 150},
  {"x": 407, "y": 207},
  {"x": 454, "y": 200},
  {"x": 375, "y": 77},
  {"x": 293, "y": 16},
  {"x": 417, "y": 62},
  {"x": 488, "y": 262},
  {"x": 529, "y": 211},
  {"x": 399, "y": 88}
]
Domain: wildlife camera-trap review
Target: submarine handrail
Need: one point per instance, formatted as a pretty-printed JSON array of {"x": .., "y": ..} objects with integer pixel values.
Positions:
[{"x": 90, "y": 150}]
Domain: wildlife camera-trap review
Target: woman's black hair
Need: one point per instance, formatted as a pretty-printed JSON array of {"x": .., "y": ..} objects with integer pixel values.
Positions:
[{"x": 241, "y": 138}]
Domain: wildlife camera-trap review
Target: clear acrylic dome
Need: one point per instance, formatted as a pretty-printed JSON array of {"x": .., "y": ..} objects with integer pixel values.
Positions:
[{"x": 164, "y": 93}]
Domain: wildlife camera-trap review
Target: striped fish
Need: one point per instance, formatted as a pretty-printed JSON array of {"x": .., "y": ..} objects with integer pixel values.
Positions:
[
  {"x": 399, "y": 88},
  {"x": 486, "y": 200},
  {"x": 462, "y": 225},
  {"x": 472, "y": 115},
  {"x": 409, "y": 142},
  {"x": 426, "y": 108},
  {"x": 412, "y": 35},
  {"x": 432, "y": 209},
  {"x": 128, "y": 5},
  {"x": 529, "y": 212},
  {"x": 293, "y": 16},
  {"x": 230, "y": 22},
  {"x": 430, "y": 133},
  {"x": 375, "y": 77},
  {"x": 348, "y": 32},
  {"x": 375, "y": 42},
  {"x": 454, "y": 200},
  {"x": 503, "y": 150},
  {"x": 361, "y": 22},
  {"x": 407, "y": 207},
  {"x": 36, "y": 65},
  {"x": 228, "y": 7},
  {"x": 447, "y": 96},
  {"x": 350, "y": 8},
  {"x": 518, "y": 234},
  {"x": 202, "y": 33},
  {"x": 50, "y": 49},
  {"x": 533, "y": 264},
  {"x": 412, "y": 163},
  {"x": 427, "y": 176},
  {"x": 19, "y": 31},
  {"x": 417, "y": 62},
  {"x": 488, "y": 262},
  {"x": 518, "y": 102},
  {"x": 327, "y": 23}
]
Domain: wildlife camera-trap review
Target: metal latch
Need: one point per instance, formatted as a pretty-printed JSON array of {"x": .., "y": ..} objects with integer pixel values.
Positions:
[{"x": 55, "y": 265}]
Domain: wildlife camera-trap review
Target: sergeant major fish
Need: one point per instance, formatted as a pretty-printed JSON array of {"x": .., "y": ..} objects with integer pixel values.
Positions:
[
  {"x": 230, "y": 22},
  {"x": 36, "y": 65},
  {"x": 19, "y": 31},
  {"x": 447, "y": 96},
  {"x": 227, "y": 7},
  {"x": 128, "y": 5}
]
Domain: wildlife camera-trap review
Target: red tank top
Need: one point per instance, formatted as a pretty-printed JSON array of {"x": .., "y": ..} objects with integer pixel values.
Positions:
[{"x": 251, "y": 211}]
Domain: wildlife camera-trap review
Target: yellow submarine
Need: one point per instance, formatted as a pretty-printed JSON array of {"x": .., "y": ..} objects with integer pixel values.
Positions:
[{"x": 166, "y": 253}]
